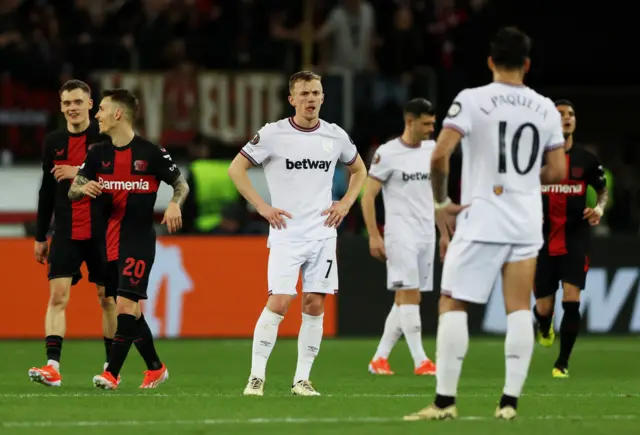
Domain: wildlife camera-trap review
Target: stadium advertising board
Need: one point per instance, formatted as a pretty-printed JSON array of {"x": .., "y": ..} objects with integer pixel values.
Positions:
[
  {"x": 229, "y": 106},
  {"x": 199, "y": 287},
  {"x": 610, "y": 302}
]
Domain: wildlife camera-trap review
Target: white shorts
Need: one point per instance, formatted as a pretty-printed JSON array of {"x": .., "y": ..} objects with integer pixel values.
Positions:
[
  {"x": 410, "y": 266},
  {"x": 316, "y": 259},
  {"x": 471, "y": 268}
]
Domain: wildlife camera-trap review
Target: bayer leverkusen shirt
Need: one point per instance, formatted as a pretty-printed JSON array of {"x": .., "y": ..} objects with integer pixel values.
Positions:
[{"x": 130, "y": 176}]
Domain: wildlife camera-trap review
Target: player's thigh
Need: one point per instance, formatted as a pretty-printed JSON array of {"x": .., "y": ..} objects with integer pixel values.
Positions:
[
  {"x": 470, "y": 269},
  {"x": 320, "y": 268},
  {"x": 403, "y": 271},
  {"x": 574, "y": 268},
  {"x": 95, "y": 257},
  {"x": 425, "y": 266},
  {"x": 134, "y": 268},
  {"x": 65, "y": 258},
  {"x": 283, "y": 268},
  {"x": 518, "y": 275},
  {"x": 547, "y": 276}
]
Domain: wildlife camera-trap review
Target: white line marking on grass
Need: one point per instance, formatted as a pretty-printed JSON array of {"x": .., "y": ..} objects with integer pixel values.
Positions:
[
  {"x": 116, "y": 394},
  {"x": 285, "y": 420}
]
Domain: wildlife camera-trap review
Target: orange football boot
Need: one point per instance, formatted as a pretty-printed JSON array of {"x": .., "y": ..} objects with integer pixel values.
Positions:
[
  {"x": 153, "y": 378},
  {"x": 427, "y": 367},
  {"x": 47, "y": 375},
  {"x": 380, "y": 366}
]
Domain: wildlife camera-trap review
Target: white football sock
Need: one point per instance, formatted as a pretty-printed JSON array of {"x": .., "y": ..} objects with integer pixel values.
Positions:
[
  {"x": 412, "y": 330},
  {"x": 391, "y": 335},
  {"x": 451, "y": 348},
  {"x": 264, "y": 338},
  {"x": 309, "y": 340},
  {"x": 53, "y": 363},
  {"x": 518, "y": 349}
]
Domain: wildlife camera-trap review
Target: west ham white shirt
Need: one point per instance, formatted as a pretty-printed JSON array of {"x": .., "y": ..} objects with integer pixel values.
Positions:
[
  {"x": 506, "y": 130},
  {"x": 299, "y": 164},
  {"x": 405, "y": 172}
]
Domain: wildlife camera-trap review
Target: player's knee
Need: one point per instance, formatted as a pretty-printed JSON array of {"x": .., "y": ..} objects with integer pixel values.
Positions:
[
  {"x": 59, "y": 296},
  {"x": 447, "y": 303},
  {"x": 570, "y": 293},
  {"x": 279, "y": 304},
  {"x": 544, "y": 306},
  {"x": 408, "y": 297},
  {"x": 107, "y": 303},
  {"x": 125, "y": 305},
  {"x": 313, "y": 304}
]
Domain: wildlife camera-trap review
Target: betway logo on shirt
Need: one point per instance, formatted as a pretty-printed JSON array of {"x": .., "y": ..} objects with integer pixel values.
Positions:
[
  {"x": 418, "y": 176},
  {"x": 124, "y": 185},
  {"x": 323, "y": 165},
  {"x": 564, "y": 189}
]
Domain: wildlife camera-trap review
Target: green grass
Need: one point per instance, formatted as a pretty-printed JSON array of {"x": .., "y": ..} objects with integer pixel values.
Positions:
[{"x": 203, "y": 395}]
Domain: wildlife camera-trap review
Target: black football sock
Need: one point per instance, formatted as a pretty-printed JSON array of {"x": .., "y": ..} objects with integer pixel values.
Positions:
[
  {"x": 108, "y": 344},
  {"x": 125, "y": 334},
  {"x": 544, "y": 322},
  {"x": 508, "y": 401},
  {"x": 144, "y": 344},
  {"x": 444, "y": 401},
  {"x": 54, "y": 347},
  {"x": 568, "y": 332}
]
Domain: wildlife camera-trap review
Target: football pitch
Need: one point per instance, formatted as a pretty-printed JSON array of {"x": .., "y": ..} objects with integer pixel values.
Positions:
[{"x": 204, "y": 392}]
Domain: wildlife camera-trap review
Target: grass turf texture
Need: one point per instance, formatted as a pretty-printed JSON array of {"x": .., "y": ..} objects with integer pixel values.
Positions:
[{"x": 204, "y": 392}]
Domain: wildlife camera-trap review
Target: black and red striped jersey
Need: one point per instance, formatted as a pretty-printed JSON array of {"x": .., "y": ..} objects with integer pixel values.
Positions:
[
  {"x": 130, "y": 178},
  {"x": 564, "y": 228},
  {"x": 77, "y": 220}
]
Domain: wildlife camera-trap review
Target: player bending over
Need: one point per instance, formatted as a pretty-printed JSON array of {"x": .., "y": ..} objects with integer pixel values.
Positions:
[
  {"x": 78, "y": 235},
  {"x": 299, "y": 156},
  {"x": 564, "y": 256},
  {"x": 400, "y": 168},
  {"x": 505, "y": 128},
  {"x": 128, "y": 170}
]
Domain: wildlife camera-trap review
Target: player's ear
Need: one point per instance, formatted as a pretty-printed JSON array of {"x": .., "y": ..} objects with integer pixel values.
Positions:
[
  {"x": 527, "y": 64},
  {"x": 291, "y": 100},
  {"x": 90, "y": 104},
  {"x": 490, "y": 63}
]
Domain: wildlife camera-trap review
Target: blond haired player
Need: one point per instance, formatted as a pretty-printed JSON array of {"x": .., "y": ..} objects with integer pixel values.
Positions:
[
  {"x": 506, "y": 129},
  {"x": 400, "y": 168},
  {"x": 299, "y": 156}
]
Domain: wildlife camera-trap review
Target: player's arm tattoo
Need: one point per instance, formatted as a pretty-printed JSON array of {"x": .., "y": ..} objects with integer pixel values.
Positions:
[
  {"x": 75, "y": 191},
  {"x": 180, "y": 190},
  {"x": 603, "y": 198}
]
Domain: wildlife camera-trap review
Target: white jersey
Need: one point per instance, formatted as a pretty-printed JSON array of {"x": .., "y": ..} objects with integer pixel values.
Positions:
[
  {"x": 299, "y": 165},
  {"x": 506, "y": 129},
  {"x": 405, "y": 172}
]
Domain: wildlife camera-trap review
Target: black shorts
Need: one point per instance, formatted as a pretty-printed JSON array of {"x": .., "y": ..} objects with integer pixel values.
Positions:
[
  {"x": 551, "y": 270},
  {"x": 129, "y": 275},
  {"x": 67, "y": 255}
]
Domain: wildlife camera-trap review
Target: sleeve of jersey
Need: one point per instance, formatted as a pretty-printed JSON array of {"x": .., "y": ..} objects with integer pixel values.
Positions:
[
  {"x": 46, "y": 195},
  {"x": 459, "y": 115},
  {"x": 88, "y": 167},
  {"x": 165, "y": 169},
  {"x": 257, "y": 149},
  {"x": 380, "y": 169},
  {"x": 349, "y": 152},
  {"x": 556, "y": 140}
]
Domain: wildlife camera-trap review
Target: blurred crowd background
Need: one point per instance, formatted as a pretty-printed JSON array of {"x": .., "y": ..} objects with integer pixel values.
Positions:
[{"x": 374, "y": 55}]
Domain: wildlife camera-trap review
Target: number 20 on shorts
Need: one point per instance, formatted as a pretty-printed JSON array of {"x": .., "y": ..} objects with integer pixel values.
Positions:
[{"x": 134, "y": 267}]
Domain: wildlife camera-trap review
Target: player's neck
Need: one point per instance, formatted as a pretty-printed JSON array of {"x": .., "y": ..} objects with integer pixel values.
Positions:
[
  {"x": 123, "y": 137},
  {"x": 407, "y": 140},
  {"x": 78, "y": 128},
  {"x": 304, "y": 123},
  {"x": 512, "y": 78},
  {"x": 568, "y": 143}
]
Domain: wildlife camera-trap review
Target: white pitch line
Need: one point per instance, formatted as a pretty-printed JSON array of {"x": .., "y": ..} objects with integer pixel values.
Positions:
[
  {"x": 116, "y": 394},
  {"x": 286, "y": 420}
]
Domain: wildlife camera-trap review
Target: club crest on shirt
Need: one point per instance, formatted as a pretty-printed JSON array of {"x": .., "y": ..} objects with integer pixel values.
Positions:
[
  {"x": 454, "y": 110},
  {"x": 255, "y": 139},
  {"x": 327, "y": 145},
  {"x": 376, "y": 158},
  {"x": 497, "y": 189},
  {"x": 140, "y": 165},
  {"x": 577, "y": 172}
]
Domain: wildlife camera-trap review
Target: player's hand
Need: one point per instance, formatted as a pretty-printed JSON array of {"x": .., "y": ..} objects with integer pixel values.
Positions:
[
  {"x": 172, "y": 217},
  {"x": 447, "y": 215},
  {"x": 64, "y": 172},
  {"x": 92, "y": 189},
  {"x": 335, "y": 214},
  {"x": 41, "y": 250},
  {"x": 444, "y": 245},
  {"x": 376, "y": 248},
  {"x": 593, "y": 215},
  {"x": 274, "y": 216}
]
